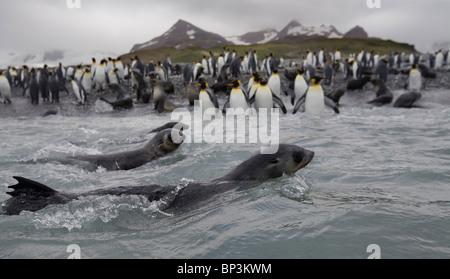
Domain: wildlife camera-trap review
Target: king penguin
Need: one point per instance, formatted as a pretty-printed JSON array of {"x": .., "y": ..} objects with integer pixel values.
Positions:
[
  {"x": 315, "y": 100},
  {"x": 414, "y": 80},
  {"x": 120, "y": 69},
  {"x": 86, "y": 81},
  {"x": 79, "y": 72},
  {"x": 113, "y": 76},
  {"x": 79, "y": 91},
  {"x": 275, "y": 83},
  {"x": 53, "y": 85},
  {"x": 100, "y": 76},
  {"x": 264, "y": 98},
  {"x": 255, "y": 85},
  {"x": 207, "y": 97},
  {"x": 300, "y": 86},
  {"x": 5, "y": 88},
  {"x": 238, "y": 98},
  {"x": 439, "y": 60}
]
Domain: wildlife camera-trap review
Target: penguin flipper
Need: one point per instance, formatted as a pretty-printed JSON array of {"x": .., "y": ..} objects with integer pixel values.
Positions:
[
  {"x": 299, "y": 103},
  {"x": 213, "y": 97},
  {"x": 293, "y": 97},
  {"x": 279, "y": 102},
  {"x": 331, "y": 104},
  {"x": 225, "y": 106},
  {"x": 284, "y": 89}
]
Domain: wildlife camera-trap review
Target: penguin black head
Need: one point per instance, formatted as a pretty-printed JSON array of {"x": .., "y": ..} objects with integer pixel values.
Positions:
[
  {"x": 316, "y": 79},
  {"x": 258, "y": 78},
  {"x": 301, "y": 71},
  {"x": 263, "y": 82},
  {"x": 203, "y": 85},
  {"x": 235, "y": 83},
  {"x": 275, "y": 71}
]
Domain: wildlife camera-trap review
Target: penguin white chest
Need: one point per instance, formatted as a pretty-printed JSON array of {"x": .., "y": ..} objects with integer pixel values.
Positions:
[
  {"x": 315, "y": 100},
  {"x": 5, "y": 88},
  {"x": 275, "y": 84},
  {"x": 205, "y": 101},
  {"x": 237, "y": 99},
  {"x": 415, "y": 80},
  {"x": 263, "y": 98},
  {"x": 300, "y": 87}
]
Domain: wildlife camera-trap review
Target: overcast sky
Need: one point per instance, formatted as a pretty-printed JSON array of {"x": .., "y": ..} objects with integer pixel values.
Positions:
[{"x": 116, "y": 25}]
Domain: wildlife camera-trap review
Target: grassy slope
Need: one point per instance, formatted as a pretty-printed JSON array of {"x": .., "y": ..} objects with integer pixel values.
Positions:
[{"x": 287, "y": 51}]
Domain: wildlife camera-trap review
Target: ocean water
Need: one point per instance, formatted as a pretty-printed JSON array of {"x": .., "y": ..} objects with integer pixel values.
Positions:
[{"x": 379, "y": 176}]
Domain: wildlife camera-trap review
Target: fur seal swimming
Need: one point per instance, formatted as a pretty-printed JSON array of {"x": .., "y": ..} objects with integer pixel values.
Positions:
[
  {"x": 384, "y": 95},
  {"x": 161, "y": 144},
  {"x": 123, "y": 98},
  {"x": 32, "y": 196}
]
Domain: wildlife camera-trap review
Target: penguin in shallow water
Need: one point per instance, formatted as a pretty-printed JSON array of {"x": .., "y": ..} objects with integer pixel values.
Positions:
[
  {"x": 315, "y": 100},
  {"x": 53, "y": 85},
  {"x": 255, "y": 85},
  {"x": 159, "y": 96},
  {"x": 238, "y": 98},
  {"x": 207, "y": 97},
  {"x": 79, "y": 91},
  {"x": 275, "y": 83},
  {"x": 33, "y": 86},
  {"x": 5, "y": 88},
  {"x": 192, "y": 93},
  {"x": 265, "y": 99},
  {"x": 300, "y": 86}
]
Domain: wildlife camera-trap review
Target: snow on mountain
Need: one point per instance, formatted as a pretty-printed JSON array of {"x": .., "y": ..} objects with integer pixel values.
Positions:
[
  {"x": 295, "y": 29},
  {"x": 260, "y": 37}
]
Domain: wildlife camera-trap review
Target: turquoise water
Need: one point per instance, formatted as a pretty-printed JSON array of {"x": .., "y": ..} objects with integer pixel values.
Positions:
[{"x": 380, "y": 176}]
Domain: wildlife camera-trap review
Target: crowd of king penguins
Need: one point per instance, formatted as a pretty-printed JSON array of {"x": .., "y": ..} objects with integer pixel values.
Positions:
[{"x": 310, "y": 83}]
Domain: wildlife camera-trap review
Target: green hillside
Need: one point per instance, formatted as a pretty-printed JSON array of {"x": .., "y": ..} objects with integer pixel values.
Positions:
[{"x": 287, "y": 51}]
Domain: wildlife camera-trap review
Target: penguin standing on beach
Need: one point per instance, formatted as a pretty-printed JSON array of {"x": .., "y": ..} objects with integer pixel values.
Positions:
[
  {"x": 79, "y": 91},
  {"x": 5, "y": 88},
  {"x": 100, "y": 76},
  {"x": 414, "y": 82},
  {"x": 86, "y": 81},
  {"x": 439, "y": 60},
  {"x": 43, "y": 86},
  {"x": 33, "y": 86},
  {"x": 53, "y": 85},
  {"x": 120, "y": 69}
]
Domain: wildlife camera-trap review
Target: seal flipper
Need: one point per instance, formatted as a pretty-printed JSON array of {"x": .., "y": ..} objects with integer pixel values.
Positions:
[
  {"x": 29, "y": 195},
  {"x": 30, "y": 188}
]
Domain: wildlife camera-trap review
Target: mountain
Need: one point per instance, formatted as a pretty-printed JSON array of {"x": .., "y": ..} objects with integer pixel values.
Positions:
[
  {"x": 356, "y": 32},
  {"x": 295, "y": 30},
  {"x": 182, "y": 35},
  {"x": 251, "y": 38}
]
